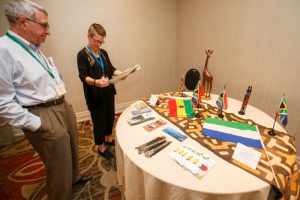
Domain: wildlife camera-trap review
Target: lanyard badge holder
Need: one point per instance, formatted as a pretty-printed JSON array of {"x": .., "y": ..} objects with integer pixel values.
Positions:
[{"x": 59, "y": 87}]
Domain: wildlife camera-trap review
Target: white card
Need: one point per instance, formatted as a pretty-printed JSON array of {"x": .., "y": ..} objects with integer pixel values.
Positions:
[
  {"x": 153, "y": 100},
  {"x": 246, "y": 155},
  {"x": 60, "y": 89}
]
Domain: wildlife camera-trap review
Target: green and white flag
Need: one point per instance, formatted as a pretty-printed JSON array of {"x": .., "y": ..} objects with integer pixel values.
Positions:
[{"x": 236, "y": 132}]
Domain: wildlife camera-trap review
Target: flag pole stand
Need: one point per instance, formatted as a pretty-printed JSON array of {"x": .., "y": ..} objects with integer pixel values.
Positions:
[
  {"x": 221, "y": 115},
  {"x": 241, "y": 112},
  {"x": 198, "y": 113},
  {"x": 206, "y": 98},
  {"x": 273, "y": 132}
]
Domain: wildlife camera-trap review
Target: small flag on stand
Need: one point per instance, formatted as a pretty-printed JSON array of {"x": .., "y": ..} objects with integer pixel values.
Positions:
[
  {"x": 222, "y": 101},
  {"x": 180, "y": 107},
  {"x": 182, "y": 84},
  {"x": 198, "y": 92},
  {"x": 282, "y": 112}
]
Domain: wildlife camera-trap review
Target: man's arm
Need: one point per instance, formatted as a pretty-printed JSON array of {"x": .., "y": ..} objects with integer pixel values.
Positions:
[{"x": 10, "y": 110}]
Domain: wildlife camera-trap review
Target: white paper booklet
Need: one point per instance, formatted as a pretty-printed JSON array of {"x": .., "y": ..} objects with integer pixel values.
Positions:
[
  {"x": 127, "y": 72},
  {"x": 196, "y": 162}
]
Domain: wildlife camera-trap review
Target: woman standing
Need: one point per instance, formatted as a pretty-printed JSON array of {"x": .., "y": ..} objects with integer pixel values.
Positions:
[{"x": 95, "y": 69}]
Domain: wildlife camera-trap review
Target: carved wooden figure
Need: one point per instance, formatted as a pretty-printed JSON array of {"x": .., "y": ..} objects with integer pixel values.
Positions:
[{"x": 207, "y": 78}]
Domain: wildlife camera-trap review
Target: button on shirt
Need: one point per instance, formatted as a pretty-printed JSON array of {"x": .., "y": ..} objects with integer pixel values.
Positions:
[{"x": 24, "y": 82}]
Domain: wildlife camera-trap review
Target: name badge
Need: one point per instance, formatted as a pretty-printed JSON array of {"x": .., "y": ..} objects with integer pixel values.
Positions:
[
  {"x": 60, "y": 89},
  {"x": 50, "y": 60}
]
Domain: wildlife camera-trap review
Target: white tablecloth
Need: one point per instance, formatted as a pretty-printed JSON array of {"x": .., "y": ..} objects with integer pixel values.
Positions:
[{"x": 159, "y": 177}]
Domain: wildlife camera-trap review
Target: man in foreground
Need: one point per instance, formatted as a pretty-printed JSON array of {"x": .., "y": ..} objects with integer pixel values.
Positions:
[{"x": 32, "y": 97}]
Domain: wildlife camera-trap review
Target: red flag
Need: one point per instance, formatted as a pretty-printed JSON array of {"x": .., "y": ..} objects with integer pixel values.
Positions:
[
  {"x": 200, "y": 92},
  {"x": 225, "y": 101},
  {"x": 181, "y": 85}
]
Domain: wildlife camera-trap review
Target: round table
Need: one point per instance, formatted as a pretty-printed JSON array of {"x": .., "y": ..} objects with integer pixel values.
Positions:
[{"x": 160, "y": 177}]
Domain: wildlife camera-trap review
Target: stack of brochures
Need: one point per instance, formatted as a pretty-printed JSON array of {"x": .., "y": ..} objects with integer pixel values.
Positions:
[
  {"x": 196, "y": 162},
  {"x": 141, "y": 111},
  {"x": 137, "y": 119}
]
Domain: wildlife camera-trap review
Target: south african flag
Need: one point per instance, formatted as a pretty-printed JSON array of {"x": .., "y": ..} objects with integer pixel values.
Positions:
[
  {"x": 222, "y": 101},
  {"x": 282, "y": 112}
]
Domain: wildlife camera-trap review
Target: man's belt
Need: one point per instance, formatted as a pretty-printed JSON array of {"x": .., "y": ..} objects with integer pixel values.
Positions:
[{"x": 48, "y": 104}]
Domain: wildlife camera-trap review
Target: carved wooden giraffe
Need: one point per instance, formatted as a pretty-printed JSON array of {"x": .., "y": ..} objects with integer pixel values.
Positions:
[{"x": 207, "y": 79}]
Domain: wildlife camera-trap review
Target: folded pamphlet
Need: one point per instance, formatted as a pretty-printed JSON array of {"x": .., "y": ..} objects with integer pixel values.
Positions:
[
  {"x": 125, "y": 73},
  {"x": 196, "y": 162}
]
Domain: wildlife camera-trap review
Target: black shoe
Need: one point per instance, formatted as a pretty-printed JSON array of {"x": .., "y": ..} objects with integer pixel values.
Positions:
[
  {"x": 84, "y": 178},
  {"x": 106, "y": 154},
  {"x": 112, "y": 143}
]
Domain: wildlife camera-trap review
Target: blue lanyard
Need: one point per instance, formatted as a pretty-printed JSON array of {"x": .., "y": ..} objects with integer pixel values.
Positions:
[{"x": 99, "y": 60}]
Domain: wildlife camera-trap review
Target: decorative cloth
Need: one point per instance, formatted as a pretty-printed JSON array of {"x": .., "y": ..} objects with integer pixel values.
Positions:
[{"x": 278, "y": 158}]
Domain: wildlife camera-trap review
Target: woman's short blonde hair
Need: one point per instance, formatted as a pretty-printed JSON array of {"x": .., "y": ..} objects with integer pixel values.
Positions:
[{"x": 98, "y": 28}]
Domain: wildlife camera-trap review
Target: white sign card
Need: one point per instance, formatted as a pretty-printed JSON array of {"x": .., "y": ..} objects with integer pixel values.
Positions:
[
  {"x": 153, "y": 100},
  {"x": 246, "y": 155}
]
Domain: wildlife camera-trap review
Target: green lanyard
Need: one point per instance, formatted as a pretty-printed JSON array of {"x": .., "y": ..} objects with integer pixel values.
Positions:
[{"x": 47, "y": 68}]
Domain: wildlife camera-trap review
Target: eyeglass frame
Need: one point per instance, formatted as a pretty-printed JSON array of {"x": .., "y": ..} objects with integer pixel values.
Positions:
[
  {"x": 97, "y": 41},
  {"x": 45, "y": 26}
]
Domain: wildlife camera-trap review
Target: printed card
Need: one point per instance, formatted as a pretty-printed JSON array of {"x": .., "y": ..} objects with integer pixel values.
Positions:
[
  {"x": 154, "y": 125},
  {"x": 153, "y": 100},
  {"x": 140, "y": 105},
  {"x": 246, "y": 155},
  {"x": 175, "y": 134}
]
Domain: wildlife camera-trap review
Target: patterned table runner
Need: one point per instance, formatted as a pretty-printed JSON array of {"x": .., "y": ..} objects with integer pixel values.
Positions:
[{"x": 280, "y": 148}]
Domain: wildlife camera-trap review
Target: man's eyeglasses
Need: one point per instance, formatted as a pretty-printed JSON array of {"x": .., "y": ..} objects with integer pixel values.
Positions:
[
  {"x": 43, "y": 25},
  {"x": 97, "y": 41}
]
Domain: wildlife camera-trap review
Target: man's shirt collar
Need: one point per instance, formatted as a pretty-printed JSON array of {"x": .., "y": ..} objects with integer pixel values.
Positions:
[{"x": 24, "y": 41}]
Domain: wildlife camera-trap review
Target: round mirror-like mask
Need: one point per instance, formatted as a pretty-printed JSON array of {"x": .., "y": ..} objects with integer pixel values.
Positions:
[{"x": 191, "y": 79}]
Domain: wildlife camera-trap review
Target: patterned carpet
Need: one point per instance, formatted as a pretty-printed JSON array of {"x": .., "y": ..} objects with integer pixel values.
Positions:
[{"x": 22, "y": 173}]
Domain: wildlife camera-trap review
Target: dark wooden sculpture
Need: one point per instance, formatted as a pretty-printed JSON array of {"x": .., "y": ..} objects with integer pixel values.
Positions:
[
  {"x": 245, "y": 102},
  {"x": 207, "y": 79}
]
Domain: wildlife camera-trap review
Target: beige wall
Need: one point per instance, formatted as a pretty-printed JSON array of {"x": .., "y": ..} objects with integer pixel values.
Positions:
[
  {"x": 255, "y": 43},
  {"x": 138, "y": 31}
]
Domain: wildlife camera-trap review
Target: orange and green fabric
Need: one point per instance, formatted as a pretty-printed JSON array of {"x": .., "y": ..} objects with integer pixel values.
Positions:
[{"x": 180, "y": 107}]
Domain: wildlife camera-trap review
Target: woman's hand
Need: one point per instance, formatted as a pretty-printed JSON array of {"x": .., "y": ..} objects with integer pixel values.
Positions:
[
  {"x": 117, "y": 72},
  {"x": 103, "y": 82}
]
